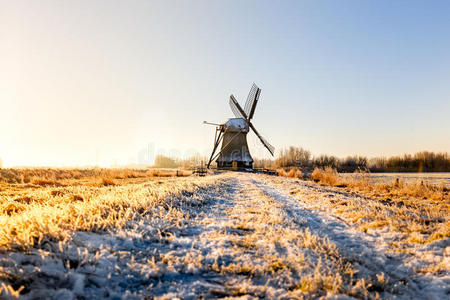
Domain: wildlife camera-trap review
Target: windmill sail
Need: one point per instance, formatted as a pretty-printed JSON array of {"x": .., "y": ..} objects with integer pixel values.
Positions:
[
  {"x": 236, "y": 108},
  {"x": 263, "y": 140},
  {"x": 252, "y": 110},
  {"x": 250, "y": 99}
]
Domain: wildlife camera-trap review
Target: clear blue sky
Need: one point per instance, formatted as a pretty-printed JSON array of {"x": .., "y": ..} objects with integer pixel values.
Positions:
[{"x": 85, "y": 82}]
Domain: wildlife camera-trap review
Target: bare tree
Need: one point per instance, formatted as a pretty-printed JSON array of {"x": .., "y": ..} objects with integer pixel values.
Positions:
[{"x": 294, "y": 156}]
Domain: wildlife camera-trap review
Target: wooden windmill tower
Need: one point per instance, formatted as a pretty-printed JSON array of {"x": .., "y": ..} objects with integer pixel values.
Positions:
[{"x": 232, "y": 135}]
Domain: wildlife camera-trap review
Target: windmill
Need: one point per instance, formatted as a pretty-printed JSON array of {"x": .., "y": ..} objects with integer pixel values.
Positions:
[{"x": 234, "y": 153}]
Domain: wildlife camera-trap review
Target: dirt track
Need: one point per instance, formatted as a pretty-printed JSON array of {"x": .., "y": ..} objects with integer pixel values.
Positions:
[{"x": 247, "y": 235}]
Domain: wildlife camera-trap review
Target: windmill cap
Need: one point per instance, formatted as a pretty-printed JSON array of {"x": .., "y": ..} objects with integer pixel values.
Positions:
[{"x": 236, "y": 125}]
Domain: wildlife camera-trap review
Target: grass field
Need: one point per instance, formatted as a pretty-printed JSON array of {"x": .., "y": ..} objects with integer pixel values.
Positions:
[
  {"x": 439, "y": 178},
  {"x": 100, "y": 233}
]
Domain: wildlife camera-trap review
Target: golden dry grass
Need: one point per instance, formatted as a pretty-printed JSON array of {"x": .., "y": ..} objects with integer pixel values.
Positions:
[
  {"x": 66, "y": 176},
  {"x": 54, "y": 203},
  {"x": 419, "y": 210},
  {"x": 396, "y": 189},
  {"x": 326, "y": 176},
  {"x": 292, "y": 172}
]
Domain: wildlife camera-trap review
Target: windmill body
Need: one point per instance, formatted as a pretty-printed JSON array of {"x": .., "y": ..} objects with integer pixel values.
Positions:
[
  {"x": 232, "y": 135},
  {"x": 234, "y": 145}
]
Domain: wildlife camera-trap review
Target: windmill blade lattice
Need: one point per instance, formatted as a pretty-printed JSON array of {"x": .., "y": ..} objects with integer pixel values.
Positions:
[
  {"x": 252, "y": 110},
  {"x": 250, "y": 99},
  {"x": 262, "y": 139},
  {"x": 236, "y": 111},
  {"x": 268, "y": 145}
]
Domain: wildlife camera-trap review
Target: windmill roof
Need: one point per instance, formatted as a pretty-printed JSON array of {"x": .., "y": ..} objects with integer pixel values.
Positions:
[{"x": 236, "y": 124}]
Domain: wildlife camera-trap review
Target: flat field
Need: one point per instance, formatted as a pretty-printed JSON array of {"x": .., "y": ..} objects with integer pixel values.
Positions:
[
  {"x": 437, "y": 178},
  {"x": 133, "y": 235}
]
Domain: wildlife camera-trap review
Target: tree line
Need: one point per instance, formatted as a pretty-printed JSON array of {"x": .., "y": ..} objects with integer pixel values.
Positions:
[{"x": 424, "y": 161}]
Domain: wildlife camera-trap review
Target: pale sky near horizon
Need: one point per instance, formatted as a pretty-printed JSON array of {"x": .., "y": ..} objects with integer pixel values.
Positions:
[{"x": 95, "y": 82}]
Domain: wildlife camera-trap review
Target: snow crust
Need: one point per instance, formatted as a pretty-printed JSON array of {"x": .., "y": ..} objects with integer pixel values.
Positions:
[
  {"x": 236, "y": 124},
  {"x": 220, "y": 228}
]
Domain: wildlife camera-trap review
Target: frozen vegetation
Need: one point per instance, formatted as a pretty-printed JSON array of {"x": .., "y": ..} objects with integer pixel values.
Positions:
[{"x": 234, "y": 235}]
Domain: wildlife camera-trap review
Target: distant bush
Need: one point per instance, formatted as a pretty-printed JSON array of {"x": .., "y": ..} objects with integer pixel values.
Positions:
[
  {"x": 194, "y": 161},
  {"x": 264, "y": 163},
  {"x": 293, "y": 172},
  {"x": 162, "y": 161},
  {"x": 327, "y": 176},
  {"x": 324, "y": 161},
  {"x": 420, "y": 162},
  {"x": 293, "y": 156}
]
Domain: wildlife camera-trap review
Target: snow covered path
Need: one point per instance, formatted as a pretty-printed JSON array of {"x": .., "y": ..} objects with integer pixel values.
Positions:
[{"x": 244, "y": 236}]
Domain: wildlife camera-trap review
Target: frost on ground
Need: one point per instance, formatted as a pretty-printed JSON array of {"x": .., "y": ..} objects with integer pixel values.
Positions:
[{"x": 246, "y": 235}]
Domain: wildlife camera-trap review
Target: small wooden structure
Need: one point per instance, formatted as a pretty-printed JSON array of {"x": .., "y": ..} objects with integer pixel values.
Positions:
[{"x": 200, "y": 171}]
